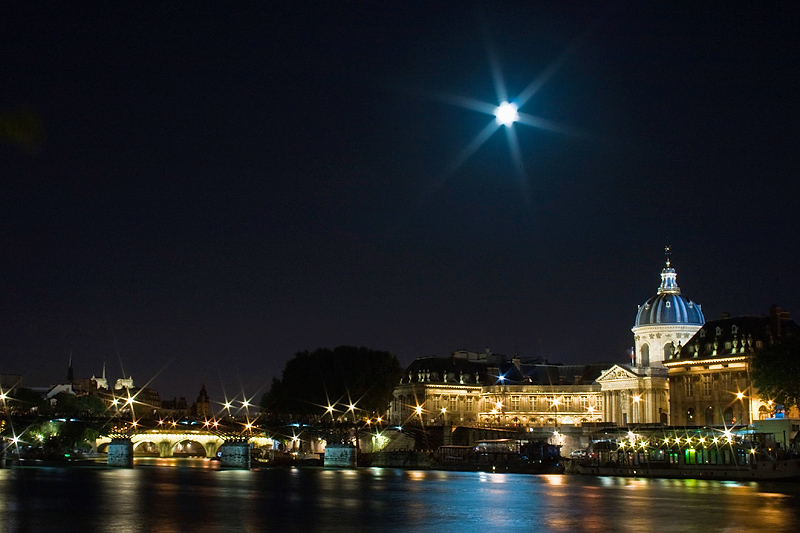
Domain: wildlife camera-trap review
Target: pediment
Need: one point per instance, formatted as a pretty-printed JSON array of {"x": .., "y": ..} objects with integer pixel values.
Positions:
[{"x": 616, "y": 373}]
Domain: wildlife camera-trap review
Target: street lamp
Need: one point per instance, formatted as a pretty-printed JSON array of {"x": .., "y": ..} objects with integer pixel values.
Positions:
[{"x": 636, "y": 414}]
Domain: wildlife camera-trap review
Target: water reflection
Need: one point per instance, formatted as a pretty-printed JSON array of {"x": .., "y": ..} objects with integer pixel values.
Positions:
[{"x": 182, "y": 495}]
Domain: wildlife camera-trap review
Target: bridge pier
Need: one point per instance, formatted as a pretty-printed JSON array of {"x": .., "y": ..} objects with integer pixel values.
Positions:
[
  {"x": 120, "y": 453},
  {"x": 341, "y": 455},
  {"x": 235, "y": 454},
  {"x": 165, "y": 448},
  {"x": 211, "y": 449}
]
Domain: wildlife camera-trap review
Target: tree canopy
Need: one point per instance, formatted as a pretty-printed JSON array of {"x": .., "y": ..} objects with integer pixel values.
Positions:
[
  {"x": 776, "y": 371},
  {"x": 346, "y": 375},
  {"x": 25, "y": 400}
]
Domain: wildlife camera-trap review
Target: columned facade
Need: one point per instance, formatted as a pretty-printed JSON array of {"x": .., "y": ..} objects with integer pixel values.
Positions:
[
  {"x": 635, "y": 395},
  {"x": 640, "y": 393}
]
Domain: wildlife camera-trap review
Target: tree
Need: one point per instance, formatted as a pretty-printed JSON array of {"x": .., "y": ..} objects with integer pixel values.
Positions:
[
  {"x": 91, "y": 405},
  {"x": 776, "y": 371},
  {"x": 25, "y": 400},
  {"x": 346, "y": 375}
]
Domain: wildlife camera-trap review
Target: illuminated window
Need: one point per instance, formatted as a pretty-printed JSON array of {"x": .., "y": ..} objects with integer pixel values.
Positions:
[{"x": 515, "y": 403}]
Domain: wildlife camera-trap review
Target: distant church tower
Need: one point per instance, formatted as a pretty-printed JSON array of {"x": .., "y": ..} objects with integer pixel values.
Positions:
[
  {"x": 202, "y": 407},
  {"x": 665, "y": 321}
]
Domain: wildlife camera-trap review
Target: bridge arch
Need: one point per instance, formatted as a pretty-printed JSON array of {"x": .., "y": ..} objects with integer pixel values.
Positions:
[
  {"x": 166, "y": 443},
  {"x": 189, "y": 448},
  {"x": 147, "y": 448}
]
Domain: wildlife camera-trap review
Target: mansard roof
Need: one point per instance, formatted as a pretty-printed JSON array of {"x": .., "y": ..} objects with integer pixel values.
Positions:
[
  {"x": 517, "y": 372},
  {"x": 734, "y": 336}
]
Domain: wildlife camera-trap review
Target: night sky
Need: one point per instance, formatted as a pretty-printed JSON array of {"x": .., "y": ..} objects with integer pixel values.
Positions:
[{"x": 217, "y": 188}]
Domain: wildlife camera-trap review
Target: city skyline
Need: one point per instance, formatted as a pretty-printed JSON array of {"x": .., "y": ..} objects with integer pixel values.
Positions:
[{"x": 215, "y": 189}]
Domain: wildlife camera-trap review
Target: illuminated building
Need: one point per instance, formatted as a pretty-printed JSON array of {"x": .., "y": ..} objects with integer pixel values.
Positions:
[
  {"x": 482, "y": 388},
  {"x": 710, "y": 376},
  {"x": 639, "y": 393},
  {"x": 487, "y": 389}
]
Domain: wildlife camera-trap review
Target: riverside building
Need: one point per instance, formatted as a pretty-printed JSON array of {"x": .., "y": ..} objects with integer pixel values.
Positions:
[{"x": 494, "y": 390}]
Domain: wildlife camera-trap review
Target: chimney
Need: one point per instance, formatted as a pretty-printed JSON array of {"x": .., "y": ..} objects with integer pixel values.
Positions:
[{"x": 776, "y": 318}]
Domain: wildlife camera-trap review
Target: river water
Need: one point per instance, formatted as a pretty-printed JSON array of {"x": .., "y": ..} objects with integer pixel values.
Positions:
[{"x": 193, "y": 495}]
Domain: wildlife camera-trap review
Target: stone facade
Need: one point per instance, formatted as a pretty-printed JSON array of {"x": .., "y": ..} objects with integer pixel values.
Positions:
[
  {"x": 709, "y": 377},
  {"x": 468, "y": 390}
]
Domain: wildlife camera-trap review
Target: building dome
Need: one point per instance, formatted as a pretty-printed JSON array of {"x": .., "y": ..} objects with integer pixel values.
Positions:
[{"x": 669, "y": 306}]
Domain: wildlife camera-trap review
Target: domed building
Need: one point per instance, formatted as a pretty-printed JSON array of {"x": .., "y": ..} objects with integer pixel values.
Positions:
[
  {"x": 639, "y": 393},
  {"x": 665, "y": 322}
]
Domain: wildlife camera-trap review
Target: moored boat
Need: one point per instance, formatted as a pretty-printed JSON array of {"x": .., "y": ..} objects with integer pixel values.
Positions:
[
  {"x": 503, "y": 455},
  {"x": 692, "y": 453}
]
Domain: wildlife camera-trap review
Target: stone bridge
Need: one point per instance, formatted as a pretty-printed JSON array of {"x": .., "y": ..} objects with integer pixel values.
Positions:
[{"x": 165, "y": 443}]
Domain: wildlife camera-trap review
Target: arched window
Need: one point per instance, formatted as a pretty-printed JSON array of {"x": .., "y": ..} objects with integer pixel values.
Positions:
[
  {"x": 727, "y": 416},
  {"x": 709, "y": 416},
  {"x": 644, "y": 355},
  {"x": 690, "y": 416}
]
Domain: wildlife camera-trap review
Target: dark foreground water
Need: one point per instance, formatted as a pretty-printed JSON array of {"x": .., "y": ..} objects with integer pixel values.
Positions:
[{"x": 193, "y": 496}]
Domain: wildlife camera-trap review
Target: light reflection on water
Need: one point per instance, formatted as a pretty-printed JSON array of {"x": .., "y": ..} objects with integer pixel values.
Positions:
[{"x": 181, "y": 495}]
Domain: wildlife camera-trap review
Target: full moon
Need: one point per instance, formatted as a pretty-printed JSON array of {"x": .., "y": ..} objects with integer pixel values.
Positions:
[{"x": 506, "y": 114}]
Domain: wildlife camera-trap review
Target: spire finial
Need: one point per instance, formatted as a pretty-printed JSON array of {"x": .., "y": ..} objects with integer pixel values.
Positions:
[{"x": 668, "y": 275}]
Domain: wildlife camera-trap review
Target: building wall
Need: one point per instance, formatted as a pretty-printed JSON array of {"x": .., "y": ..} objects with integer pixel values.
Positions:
[
  {"x": 707, "y": 392},
  {"x": 656, "y": 343},
  {"x": 709, "y": 378},
  {"x": 527, "y": 405}
]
